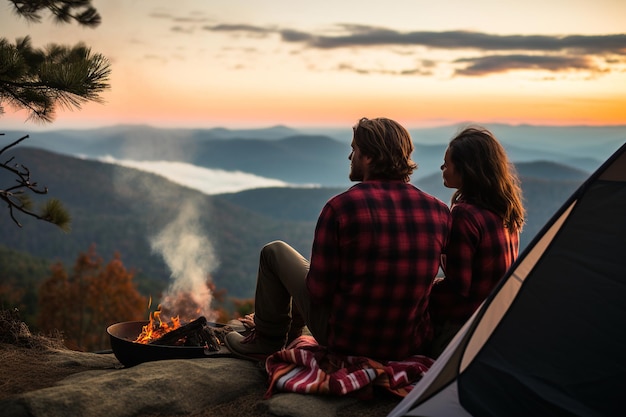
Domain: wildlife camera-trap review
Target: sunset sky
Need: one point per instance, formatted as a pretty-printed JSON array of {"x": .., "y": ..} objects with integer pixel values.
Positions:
[{"x": 254, "y": 63}]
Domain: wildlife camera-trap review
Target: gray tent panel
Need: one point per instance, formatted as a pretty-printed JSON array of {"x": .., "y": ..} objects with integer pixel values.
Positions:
[{"x": 561, "y": 347}]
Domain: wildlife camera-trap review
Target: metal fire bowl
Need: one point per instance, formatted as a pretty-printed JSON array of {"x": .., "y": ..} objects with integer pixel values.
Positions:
[{"x": 130, "y": 353}]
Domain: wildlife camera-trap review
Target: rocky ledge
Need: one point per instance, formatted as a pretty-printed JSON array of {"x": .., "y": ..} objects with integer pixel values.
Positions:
[{"x": 56, "y": 382}]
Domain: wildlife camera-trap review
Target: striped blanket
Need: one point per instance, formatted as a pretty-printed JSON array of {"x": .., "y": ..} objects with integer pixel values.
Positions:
[{"x": 308, "y": 368}]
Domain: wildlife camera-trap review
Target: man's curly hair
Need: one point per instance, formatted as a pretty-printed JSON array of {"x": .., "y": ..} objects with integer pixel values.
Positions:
[{"x": 390, "y": 147}]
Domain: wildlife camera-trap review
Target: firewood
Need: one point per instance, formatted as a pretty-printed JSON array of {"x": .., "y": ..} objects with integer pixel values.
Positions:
[
  {"x": 209, "y": 338},
  {"x": 173, "y": 337}
]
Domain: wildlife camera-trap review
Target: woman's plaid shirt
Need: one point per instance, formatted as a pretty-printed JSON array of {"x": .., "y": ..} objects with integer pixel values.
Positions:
[{"x": 480, "y": 251}]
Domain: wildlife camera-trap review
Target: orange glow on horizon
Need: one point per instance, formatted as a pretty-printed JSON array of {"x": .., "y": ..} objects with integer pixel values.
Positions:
[
  {"x": 338, "y": 111},
  {"x": 549, "y": 112}
]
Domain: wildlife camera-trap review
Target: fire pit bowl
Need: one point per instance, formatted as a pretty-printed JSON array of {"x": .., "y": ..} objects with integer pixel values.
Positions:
[{"x": 130, "y": 353}]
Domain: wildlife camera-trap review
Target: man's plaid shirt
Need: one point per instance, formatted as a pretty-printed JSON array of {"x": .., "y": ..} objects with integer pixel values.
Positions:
[{"x": 376, "y": 251}]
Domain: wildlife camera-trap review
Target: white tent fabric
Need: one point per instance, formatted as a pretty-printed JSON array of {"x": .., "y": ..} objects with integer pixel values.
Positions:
[{"x": 551, "y": 338}]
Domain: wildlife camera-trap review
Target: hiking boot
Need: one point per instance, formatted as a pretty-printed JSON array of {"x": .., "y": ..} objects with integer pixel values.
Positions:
[
  {"x": 239, "y": 327},
  {"x": 252, "y": 347}
]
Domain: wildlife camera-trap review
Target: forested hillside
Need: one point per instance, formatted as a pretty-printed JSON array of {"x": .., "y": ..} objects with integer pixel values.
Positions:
[
  {"x": 20, "y": 275},
  {"x": 121, "y": 210}
]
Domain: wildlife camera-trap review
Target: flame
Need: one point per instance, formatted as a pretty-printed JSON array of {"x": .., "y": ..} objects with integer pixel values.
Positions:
[{"x": 156, "y": 327}]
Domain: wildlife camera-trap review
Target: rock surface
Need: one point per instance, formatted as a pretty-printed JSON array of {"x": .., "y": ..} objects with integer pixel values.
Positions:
[{"x": 93, "y": 385}]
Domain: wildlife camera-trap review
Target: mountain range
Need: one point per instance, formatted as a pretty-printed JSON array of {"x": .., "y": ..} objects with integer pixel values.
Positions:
[
  {"x": 298, "y": 156},
  {"x": 125, "y": 210}
]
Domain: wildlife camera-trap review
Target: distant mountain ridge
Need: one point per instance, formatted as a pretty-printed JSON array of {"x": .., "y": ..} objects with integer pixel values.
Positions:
[
  {"x": 550, "y": 170},
  {"x": 299, "y": 157}
]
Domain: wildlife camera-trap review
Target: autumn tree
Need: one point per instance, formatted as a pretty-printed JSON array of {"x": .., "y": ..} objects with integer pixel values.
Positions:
[
  {"x": 218, "y": 301},
  {"x": 243, "y": 306},
  {"x": 113, "y": 297},
  {"x": 54, "y": 300},
  {"x": 84, "y": 303}
]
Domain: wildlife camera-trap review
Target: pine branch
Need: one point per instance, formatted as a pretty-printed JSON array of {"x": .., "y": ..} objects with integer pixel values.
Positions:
[
  {"x": 38, "y": 80},
  {"x": 63, "y": 11}
]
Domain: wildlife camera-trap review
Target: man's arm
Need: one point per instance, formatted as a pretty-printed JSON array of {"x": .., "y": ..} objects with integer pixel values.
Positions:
[{"x": 324, "y": 265}]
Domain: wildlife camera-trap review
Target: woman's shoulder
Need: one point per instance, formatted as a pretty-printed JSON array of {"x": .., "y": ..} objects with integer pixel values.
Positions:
[
  {"x": 468, "y": 210},
  {"x": 464, "y": 210},
  {"x": 463, "y": 206}
]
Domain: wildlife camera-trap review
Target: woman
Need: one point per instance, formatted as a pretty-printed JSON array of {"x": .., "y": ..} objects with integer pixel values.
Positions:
[{"x": 487, "y": 218}]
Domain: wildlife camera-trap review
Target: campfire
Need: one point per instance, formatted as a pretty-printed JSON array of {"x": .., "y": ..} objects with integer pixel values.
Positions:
[
  {"x": 157, "y": 327},
  {"x": 134, "y": 342},
  {"x": 183, "y": 327},
  {"x": 198, "y": 332}
]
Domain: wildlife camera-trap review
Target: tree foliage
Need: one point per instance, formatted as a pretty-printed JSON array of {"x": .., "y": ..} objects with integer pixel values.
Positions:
[
  {"x": 20, "y": 275},
  {"x": 64, "y": 11},
  {"x": 243, "y": 306},
  {"x": 39, "y": 80},
  {"x": 83, "y": 303}
]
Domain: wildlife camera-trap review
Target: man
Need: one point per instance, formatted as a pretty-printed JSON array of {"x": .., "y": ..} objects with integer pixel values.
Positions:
[{"x": 376, "y": 251}]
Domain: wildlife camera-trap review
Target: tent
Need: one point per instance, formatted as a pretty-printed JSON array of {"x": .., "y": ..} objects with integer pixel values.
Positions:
[{"x": 550, "y": 340}]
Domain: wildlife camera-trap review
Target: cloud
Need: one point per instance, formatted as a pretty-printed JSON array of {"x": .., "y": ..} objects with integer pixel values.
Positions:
[
  {"x": 502, "y": 63},
  {"x": 182, "y": 24},
  {"x": 161, "y": 15},
  {"x": 181, "y": 29},
  {"x": 289, "y": 35},
  {"x": 195, "y": 17},
  {"x": 374, "y": 36},
  {"x": 532, "y": 52},
  {"x": 241, "y": 28}
]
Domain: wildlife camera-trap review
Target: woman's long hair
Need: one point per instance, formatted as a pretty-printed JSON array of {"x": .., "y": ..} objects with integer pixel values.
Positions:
[
  {"x": 488, "y": 179},
  {"x": 390, "y": 147}
]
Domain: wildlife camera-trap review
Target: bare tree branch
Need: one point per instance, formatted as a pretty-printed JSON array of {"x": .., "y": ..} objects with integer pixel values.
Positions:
[{"x": 18, "y": 201}]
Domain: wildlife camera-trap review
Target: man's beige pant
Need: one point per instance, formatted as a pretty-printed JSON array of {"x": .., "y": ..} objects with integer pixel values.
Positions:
[{"x": 281, "y": 283}]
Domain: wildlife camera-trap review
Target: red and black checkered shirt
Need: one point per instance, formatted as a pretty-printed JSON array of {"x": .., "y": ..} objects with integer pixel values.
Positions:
[
  {"x": 376, "y": 251},
  {"x": 479, "y": 252}
]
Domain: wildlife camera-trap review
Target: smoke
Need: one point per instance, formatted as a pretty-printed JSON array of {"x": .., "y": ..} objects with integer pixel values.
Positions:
[
  {"x": 191, "y": 258},
  {"x": 184, "y": 245}
]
